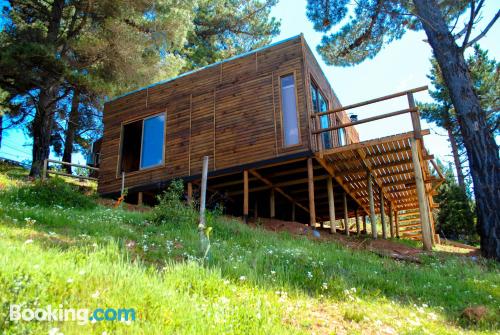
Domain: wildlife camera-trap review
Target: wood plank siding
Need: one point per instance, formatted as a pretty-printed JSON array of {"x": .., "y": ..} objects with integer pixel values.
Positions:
[{"x": 229, "y": 111}]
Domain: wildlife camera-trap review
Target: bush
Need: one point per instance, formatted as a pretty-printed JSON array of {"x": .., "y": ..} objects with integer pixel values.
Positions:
[
  {"x": 49, "y": 193},
  {"x": 455, "y": 219},
  {"x": 171, "y": 209}
]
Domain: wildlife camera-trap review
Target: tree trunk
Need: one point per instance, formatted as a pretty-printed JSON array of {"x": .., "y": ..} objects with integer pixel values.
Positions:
[
  {"x": 42, "y": 122},
  {"x": 42, "y": 129},
  {"x": 482, "y": 151},
  {"x": 71, "y": 129},
  {"x": 454, "y": 150}
]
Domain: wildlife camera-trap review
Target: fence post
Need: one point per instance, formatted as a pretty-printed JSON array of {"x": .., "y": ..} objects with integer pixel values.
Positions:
[
  {"x": 44, "y": 171},
  {"x": 202, "y": 230}
]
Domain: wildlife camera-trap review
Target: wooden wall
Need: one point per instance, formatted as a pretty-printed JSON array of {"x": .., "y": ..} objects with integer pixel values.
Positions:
[
  {"x": 229, "y": 111},
  {"x": 313, "y": 72}
]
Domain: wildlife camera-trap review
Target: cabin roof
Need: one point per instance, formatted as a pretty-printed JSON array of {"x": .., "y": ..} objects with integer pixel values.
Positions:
[{"x": 207, "y": 66}]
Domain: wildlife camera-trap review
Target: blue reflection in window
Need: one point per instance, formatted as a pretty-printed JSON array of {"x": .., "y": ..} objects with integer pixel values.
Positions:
[{"x": 153, "y": 137}]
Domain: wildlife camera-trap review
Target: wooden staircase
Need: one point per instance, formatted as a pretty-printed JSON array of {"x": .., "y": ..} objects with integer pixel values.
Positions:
[{"x": 409, "y": 225}]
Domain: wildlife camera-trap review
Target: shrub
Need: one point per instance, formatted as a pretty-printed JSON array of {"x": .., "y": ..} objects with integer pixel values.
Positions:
[
  {"x": 49, "y": 193},
  {"x": 171, "y": 209}
]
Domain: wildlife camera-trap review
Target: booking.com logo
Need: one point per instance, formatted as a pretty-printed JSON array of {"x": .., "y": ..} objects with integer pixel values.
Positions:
[{"x": 81, "y": 315}]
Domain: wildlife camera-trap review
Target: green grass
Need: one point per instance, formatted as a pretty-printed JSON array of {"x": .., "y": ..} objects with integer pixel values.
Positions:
[{"x": 254, "y": 282}]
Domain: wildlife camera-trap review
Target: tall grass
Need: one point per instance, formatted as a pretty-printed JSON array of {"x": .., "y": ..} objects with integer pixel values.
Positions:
[{"x": 254, "y": 282}]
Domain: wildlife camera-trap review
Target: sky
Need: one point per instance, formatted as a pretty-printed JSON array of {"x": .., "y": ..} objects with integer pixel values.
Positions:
[{"x": 401, "y": 65}]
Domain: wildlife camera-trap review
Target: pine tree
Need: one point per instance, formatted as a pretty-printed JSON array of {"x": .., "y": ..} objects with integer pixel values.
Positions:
[
  {"x": 374, "y": 23},
  {"x": 485, "y": 73}
]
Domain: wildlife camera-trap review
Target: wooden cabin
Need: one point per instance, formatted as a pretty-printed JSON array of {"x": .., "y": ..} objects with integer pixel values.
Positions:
[{"x": 279, "y": 144}]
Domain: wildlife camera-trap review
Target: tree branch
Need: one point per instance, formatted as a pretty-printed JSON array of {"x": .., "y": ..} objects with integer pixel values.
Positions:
[{"x": 484, "y": 32}]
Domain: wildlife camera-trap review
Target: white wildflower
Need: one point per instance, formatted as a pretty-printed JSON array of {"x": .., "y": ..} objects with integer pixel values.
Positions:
[
  {"x": 69, "y": 281},
  {"x": 28, "y": 241},
  {"x": 243, "y": 278}
]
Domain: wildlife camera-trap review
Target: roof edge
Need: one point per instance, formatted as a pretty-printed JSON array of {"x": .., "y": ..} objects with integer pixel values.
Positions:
[{"x": 205, "y": 67}]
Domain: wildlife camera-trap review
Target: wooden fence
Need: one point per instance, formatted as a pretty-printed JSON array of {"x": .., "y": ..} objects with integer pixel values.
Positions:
[{"x": 46, "y": 170}]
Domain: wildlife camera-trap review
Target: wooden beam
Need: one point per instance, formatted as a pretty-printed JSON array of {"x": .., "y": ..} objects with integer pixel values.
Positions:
[
  {"x": 368, "y": 119},
  {"x": 422, "y": 197},
  {"x": 346, "y": 217},
  {"x": 372, "y": 101},
  {"x": 245, "y": 196},
  {"x": 372, "y": 206},
  {"x": 396, "y": 222},
  {"x": 391, "y": 223},
  {"x": 272, "y": 204},
  {"x": 339, "y": 181},
  {"x": 364, "y": 224},
  {"x": 415, "y": 117},
  {"x": 382, "y": 215},
  {"x": 331, "y": 204},
  {"x": 277, "y": 189},
  {"x": 293, "y": 211},
  {"x": 358, "y": 230},
  {"x": 377, "y": 141},
  {"x": 282, "y": 184},
  {"x": 139, "y": 198},
  {"x": 190, "y": 193},
  {"x": 312, "y": 208}
]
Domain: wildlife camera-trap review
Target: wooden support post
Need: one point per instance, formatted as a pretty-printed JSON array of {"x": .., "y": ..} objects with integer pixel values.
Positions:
[
  {"x": 346, "y": 215},
  {"x": 391, "y": 223},
  {"x": 190, "y": 194},
  {"x": 123, "y": 183},
  {"x": 372, "y": 206},
  {"x": 139, "y": 198},
  {"x": 364, "y": 224},
  {"x": 331, "y": 204},
  {"x": 422, "y": 197},
  {"x": 245, "y": 196},
  {"x": 293, "y": 211},
  {"x": 382, "y": 215},
  {"x": 310, "y": 181},
  {"x": 272, "y": 204},
  {"x": 415, "y": 117},
  {"x": 45, "y": 167},
  {"x": 358, "y": 230},
  {"x": 203, "y": 195},
  {"x": 396, "y": 221}
]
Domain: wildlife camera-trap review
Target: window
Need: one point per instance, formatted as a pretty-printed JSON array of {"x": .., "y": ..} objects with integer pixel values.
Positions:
[
  {"x": 289, "y": 111},
  {"x": 143, "y": 143},
  {"x": 320, "y": 104},
  {"x": 342, "y": 137},
  {"x": 152, "y": 141}
]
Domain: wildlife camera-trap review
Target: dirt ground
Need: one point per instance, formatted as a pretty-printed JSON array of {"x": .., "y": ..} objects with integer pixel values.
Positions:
[{"x": 387, "y": 248}]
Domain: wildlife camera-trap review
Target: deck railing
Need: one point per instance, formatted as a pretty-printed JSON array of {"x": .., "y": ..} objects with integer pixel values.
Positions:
[
  {"x": 412, "y": 109},
  {"x": 46, "y": 170}
]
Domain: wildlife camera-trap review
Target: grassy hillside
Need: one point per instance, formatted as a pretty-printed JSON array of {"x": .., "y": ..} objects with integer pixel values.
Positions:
[{"x": 59, "y": 247}]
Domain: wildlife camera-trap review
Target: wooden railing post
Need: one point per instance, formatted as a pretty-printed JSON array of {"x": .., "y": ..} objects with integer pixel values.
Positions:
[{"x": 415, "y": 117}]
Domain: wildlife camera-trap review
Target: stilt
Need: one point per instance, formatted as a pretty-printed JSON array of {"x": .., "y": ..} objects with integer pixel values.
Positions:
[
  {"x": 139, "y": 198},
  {"x": 358, "y": 230},
  {"x": 190, "y": 194},
  {"x": 422, "y": 197},
  {"x": 382, "y": 214},
  {"x": 391, "y": 223},
  {"x": 245, "y": 196},
  {"x": 346, "y": 215},
  {"x": 372, "y": 206},
  {"x": 272, "y": 204},
  {"x": 310, "y": 180},
  {"x": 396, "y": 221},
  {"x": 293, "y": 211},
  {"x": 331, "y": 204},
  {"x": 364, "y": 224}
]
